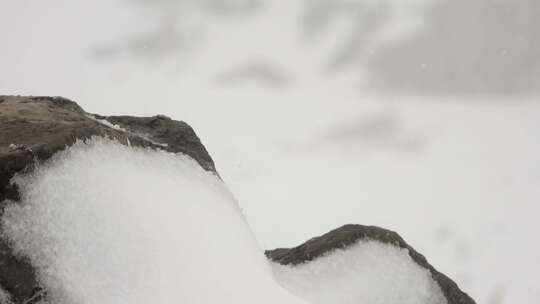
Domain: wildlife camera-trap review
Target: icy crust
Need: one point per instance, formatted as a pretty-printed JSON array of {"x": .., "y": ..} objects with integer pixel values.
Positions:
[
  {"x": 369, "y": 272},
  {"x": 106, "y": 223}
]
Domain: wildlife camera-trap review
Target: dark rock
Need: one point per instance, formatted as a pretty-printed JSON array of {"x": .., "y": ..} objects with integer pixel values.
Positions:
[
  {"x": 32, "y": 129},
  {"x": 348, "y": 235},
  {"x": 37, "y": 127},
  {"x": 178, "y": 136}
]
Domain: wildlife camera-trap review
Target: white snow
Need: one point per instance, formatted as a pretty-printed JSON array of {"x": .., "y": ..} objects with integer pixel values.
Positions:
[
  {"x": 146, "y": 137},
  {"x": 367, "y": 272},
  {"x": 117, "y": 127},
  {"x": 13, "y": 146},
  {"x": 106, "y": 123},
  {"x": 4, "y": 297},
  {"x": 105, "y": 223}
]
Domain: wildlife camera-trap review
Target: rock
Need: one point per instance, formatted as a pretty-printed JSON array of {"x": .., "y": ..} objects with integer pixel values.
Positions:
[
  {"x": 37, "y": 127},
  {"x": 348, "y": 235},
  {"x": 32, "y": 129}
]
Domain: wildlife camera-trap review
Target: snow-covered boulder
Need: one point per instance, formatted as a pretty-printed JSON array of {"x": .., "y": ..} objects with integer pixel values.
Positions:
[
  {"x": 122, "y": 209},
  {"x": 32, "y": 129},
  {"x": 350, "y": 254}
]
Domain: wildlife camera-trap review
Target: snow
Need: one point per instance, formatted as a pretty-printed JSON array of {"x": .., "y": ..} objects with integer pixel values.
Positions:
[
  {"x": 106, "y": 123},
  {"x": 118, "y": 128},
  {"x": 4, "y": 297},
  {"x": 106, "y": 223},
  {"x": 147, "y": 138},
  {"x": 366, "y": 272},
  {"x": 13, "y": 146}
]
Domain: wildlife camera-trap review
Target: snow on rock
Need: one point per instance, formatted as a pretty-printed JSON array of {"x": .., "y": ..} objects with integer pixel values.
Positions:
[
  {"x": 106, "y": 123},
  {"x": 367, "y": 272},
  {"x": 365, "y": 260},
  {"x": 102, "y": 222},
  {"x": 36, "y": 127},
  {"x": 106, "y": 223},
  {"x": 99, "y": 213}
]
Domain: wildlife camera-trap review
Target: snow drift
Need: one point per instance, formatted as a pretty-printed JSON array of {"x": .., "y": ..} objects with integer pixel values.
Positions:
[
  {"x": 107, "y": 223},
  {"x": 366, "y": 272}
]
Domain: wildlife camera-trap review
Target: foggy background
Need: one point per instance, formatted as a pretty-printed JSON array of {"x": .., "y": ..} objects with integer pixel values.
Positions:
[{"x": 420, "y": 116}]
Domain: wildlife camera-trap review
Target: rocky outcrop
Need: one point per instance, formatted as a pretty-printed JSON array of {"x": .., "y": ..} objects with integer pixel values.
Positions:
[
  {"x": 32, "y": 129},
  {"x": 348, "y": 235}
]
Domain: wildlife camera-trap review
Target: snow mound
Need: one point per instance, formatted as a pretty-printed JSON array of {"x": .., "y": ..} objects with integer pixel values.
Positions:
[
  {"x": 105, "y": 223},
  {"x": 367, "y": 272}
]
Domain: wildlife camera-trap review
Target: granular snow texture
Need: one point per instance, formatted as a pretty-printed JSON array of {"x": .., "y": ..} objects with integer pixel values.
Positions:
[
  {"x": 105, "y": 223},
  {"x": 110, "y": 224}
]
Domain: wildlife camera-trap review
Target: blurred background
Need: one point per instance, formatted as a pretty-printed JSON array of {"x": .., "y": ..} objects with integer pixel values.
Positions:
[{"x": 420, "y": 116}]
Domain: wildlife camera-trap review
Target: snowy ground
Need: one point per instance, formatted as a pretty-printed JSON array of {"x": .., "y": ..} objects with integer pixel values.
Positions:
[{"x": 303, "y": 149}]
